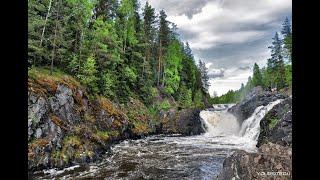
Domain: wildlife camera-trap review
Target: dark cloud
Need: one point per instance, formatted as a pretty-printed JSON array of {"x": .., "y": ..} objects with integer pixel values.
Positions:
[
  {"x": 215, "y": 73},
  {"x": 178, "y": 7}
]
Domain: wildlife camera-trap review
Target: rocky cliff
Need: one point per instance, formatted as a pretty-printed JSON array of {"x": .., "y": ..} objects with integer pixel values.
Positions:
[
  {"x": 273, "y": 159},
  {"x": 68, "y": 125},
  {"x": 255, "y": 98}
]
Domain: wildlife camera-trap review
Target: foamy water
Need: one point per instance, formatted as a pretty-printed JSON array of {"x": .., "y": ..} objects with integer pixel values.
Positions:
[{"x": 174, "y": 157}]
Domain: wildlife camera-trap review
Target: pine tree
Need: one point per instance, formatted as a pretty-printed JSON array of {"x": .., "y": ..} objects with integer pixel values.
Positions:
[
  {"x": 149, "y": 37},
  {"x": 204, "y": 76},
  {"x": 88, "y": 74},
  {"x": 173, "y": 66},
  {"x": 37, "y": 23},
  {"x": 257, "y": 77},
  {"x": 163, "y": 42},
  {"x": 107, "y": 9},
  {"x": 276, "y": 64},
  {"x": 287, "y": 38}
]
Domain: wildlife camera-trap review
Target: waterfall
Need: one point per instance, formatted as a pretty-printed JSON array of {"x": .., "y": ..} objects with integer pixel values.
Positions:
[
  {"x": 221, "y": 122},
  {"x": 250, "y": 127}
]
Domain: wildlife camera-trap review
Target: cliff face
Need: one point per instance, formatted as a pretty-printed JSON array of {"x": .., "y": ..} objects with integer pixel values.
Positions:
[
  {"x": 276, "y": 126},
  {"x": 68, "y": 125}
]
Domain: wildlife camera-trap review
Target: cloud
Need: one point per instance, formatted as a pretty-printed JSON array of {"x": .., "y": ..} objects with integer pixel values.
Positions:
[
  {"x": 232, "y": 79},
  {"x": 214, "y": 73},
  {"x": 178, "y": 7},
  {"x": 228, "y": 34}
]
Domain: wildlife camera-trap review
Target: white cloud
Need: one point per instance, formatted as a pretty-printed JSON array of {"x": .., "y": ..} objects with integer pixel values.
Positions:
[
  {"x": 231, "y": 80},
  {"x": 227, "y": 33}
]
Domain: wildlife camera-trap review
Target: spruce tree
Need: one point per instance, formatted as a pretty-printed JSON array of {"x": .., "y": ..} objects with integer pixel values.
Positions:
[
  {"x": 287, "y": 38},
  {"x": 257, "y": 77}
]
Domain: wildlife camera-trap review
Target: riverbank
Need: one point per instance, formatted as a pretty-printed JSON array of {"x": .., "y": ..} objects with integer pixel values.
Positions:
[{"x": 68, "y": 125}]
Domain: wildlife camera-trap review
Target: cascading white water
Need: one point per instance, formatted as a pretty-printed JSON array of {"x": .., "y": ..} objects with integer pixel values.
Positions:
[
  {"x": 166, "y": 157},
  {"x": 250, "y": 127},
  {"x": 220, "y": 122}
]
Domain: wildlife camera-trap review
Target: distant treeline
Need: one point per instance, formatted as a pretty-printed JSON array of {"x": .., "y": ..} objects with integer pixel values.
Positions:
[{"x": 277, "y": 74}]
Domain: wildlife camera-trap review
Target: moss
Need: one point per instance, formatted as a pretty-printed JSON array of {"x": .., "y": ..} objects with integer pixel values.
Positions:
[
  {"x": 141, "y": 128},
  {"x": 109, "y": 107},
  {"x": 72, "y": 140},
  {"x": 41, "y": 142},
  {"x": 41, "y": 81},
  {"x": 57, "y": 121},
  {"x": 104, "y": 135},
  {"x": 273, "y": 122},
  {"x": 89, "y": 117}
]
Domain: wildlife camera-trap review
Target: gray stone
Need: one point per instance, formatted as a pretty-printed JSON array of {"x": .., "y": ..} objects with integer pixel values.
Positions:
[{"x": 38, "y": 133}]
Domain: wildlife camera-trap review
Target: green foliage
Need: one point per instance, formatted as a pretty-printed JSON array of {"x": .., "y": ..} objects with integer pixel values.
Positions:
[
  {"x": 108, "y": 84},
  {"x": 164, "y": 105},
  {"x": 277, "y": 74},
  {"x": 289, "y": 75},
  {"x": 229, "y": 97},
  {"x": 185, "y": 97},
  {"x": 257, "y": 77},
  {"x": 113, "y": 50},
  {"x": 198, "y": 99},
  {"x": 172, "y": 68},
  {"x": 273, "y": 122},
  {"x": 88, "y": 74}
]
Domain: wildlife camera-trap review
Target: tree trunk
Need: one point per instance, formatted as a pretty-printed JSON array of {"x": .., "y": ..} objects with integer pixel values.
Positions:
[
  {"x": 43, "y": 30},
  {"x": 54, "y": 41},
  {"x": 80, "y": 51},
  {"x": 159, "y": 63}
]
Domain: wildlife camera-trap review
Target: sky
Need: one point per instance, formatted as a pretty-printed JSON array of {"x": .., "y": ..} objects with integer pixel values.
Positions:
[{"x": 228, "y": 35}]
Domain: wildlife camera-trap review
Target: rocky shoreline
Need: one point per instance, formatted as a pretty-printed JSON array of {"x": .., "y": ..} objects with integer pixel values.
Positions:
[
  {"x": 69, "y": 126},
  {"x": 273, "y": 159}
]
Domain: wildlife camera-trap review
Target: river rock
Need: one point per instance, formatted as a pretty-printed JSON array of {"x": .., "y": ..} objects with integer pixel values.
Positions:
[
  {"x": 272, "y": 161},
  {"x": 189, "y": 122}
]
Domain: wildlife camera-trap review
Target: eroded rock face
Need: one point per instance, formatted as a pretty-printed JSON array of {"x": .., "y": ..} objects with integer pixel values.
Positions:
[
  {"x": 189, "y": 122},
  {"x": 66, "y": 127},
  {"x": 276, "y": 126},
  {"x": 63, "y": 128},
  {"x": 257, "y": 97},
  {"x": 185, "y": 122},
  {"x": 270, "y": 162}
]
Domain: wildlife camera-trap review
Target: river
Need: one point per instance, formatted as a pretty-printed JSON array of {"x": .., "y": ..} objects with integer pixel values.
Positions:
[{"x": 174, "y": 156}]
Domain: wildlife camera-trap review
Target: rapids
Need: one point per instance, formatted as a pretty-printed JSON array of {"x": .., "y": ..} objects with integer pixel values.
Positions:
[{"x": 174, "y": 156}]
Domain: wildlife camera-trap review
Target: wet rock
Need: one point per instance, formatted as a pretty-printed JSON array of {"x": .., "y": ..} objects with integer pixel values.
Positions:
[
  {"x": 276, "y": 126},
  {"x": 275, "y": 163},
  {"x": 190, "y": 122}
]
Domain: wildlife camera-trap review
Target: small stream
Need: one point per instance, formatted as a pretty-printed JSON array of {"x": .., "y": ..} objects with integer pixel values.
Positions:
[{"x": 173, "y": 157}]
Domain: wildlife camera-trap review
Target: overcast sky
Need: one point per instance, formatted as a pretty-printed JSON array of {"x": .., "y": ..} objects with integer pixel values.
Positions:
[{"x": 229, "y": 35}]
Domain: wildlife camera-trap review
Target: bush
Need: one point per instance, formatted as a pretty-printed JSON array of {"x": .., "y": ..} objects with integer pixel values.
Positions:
[{"x": 164, "y": 105}]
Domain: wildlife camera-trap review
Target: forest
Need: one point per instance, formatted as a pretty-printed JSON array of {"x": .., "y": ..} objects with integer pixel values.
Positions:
[{"x": 116, "y": 49}]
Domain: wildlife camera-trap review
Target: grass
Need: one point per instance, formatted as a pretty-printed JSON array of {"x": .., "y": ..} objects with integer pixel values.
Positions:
[{"x": 41, "y": 81}]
